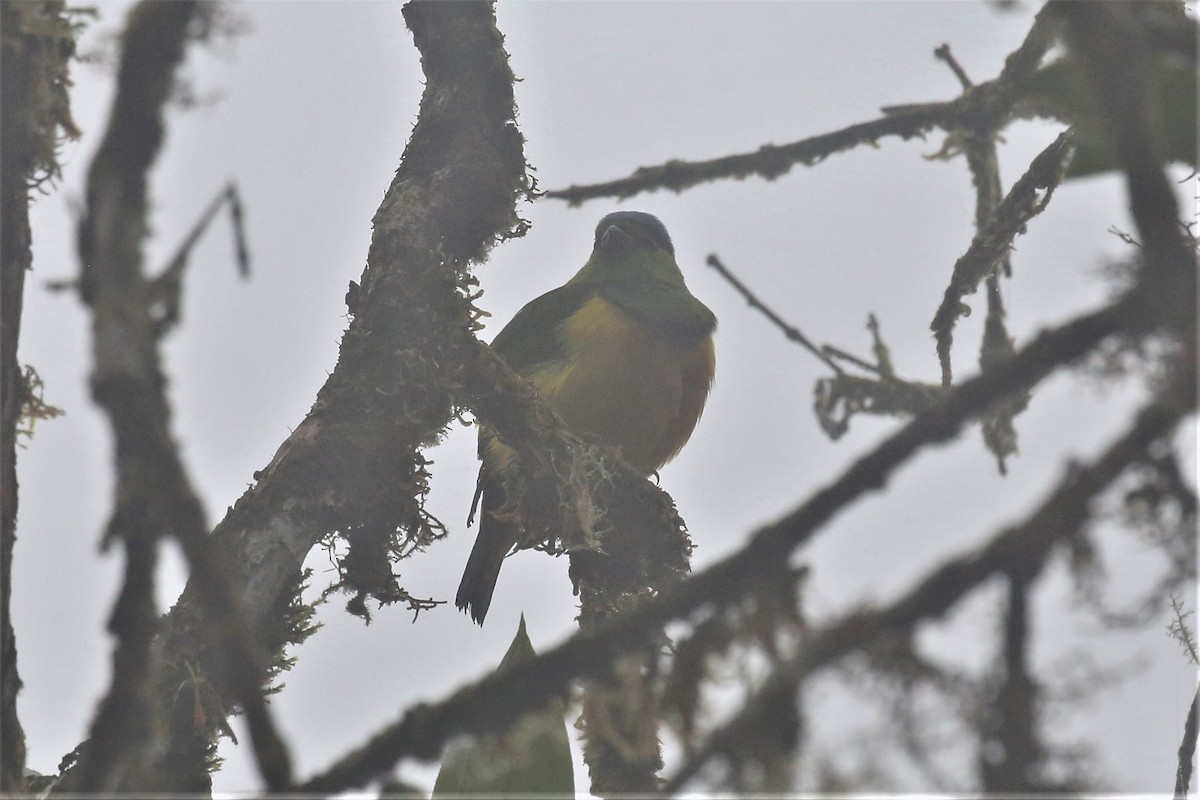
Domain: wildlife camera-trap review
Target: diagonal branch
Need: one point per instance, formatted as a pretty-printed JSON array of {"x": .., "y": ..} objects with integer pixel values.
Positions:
[
  {"x": 1021, "y": 549},
  {"x": 154, "y": 496},
  {"x": 992, "y": 101},
  {"x": 769, "y": 161},
  {"x": 497, "y": 701},
  {"x": 354, "y": 463},
  {"x": 792, "y": 333},
  {"x": 1025, "y": 200}
]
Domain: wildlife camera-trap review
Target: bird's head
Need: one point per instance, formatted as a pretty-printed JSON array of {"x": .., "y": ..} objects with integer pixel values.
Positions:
[
  {"x": 631, "y": 248},
  {"x": 633, "y": 266},
  {"x": 627, "y": 231}
]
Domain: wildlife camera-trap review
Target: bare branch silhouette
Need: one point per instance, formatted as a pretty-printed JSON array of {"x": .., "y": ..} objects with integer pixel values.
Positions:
[
  {"x": 37, "y": 47},
  {"x": 1021, "y": 549},
  {"x": 355, "y": 473},
  {"x": 989, "y": 101},
  {"x": 154, "y": 497},
  {"x": 1187, "y": 749},
  {"x": 1025, "y": 200}
]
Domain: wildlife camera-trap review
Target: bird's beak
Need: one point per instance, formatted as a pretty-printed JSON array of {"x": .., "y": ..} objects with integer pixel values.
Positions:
[{"x": 615, "y": 240}]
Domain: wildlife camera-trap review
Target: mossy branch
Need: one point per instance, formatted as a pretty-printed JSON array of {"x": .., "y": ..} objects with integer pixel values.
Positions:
[
  {"x": 154, "y": 497},
  {"x": 355, "y": 460},
  {"x": 37, "y": 42},
  {"x": 991, "y": 245},
  {"x": 1021, "y": 549},
  {"x": 989, "y": 104},
  {"x": 497, "y": 701}
]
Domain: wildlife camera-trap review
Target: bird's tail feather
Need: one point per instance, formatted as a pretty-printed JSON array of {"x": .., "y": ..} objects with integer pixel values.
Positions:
[{"x": 492, "y": 544}]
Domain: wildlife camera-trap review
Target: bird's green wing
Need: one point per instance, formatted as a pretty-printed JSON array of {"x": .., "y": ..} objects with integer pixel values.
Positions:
[{"x": 531, "y": 338}]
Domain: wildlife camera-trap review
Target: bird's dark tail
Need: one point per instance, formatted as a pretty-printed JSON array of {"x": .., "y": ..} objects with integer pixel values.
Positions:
[{"x": 495, "y": 539}]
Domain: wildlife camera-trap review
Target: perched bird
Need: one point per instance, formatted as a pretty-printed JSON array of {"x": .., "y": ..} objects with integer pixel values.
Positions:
[{"x": 622, "y": 351}]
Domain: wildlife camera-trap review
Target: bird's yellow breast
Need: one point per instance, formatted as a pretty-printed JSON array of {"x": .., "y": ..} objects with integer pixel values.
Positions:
[{"x": 627, "y": 383}]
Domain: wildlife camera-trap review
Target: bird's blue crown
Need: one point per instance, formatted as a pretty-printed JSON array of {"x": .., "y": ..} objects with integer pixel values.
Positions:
[{"x": 649, "y": 222}]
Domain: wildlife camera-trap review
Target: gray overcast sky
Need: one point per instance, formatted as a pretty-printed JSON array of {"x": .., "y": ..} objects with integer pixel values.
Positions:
[{"x": 315, "y": 104}]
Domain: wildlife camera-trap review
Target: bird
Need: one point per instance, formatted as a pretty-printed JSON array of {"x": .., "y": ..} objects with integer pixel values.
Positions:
[{"x": 622, "y": 351}]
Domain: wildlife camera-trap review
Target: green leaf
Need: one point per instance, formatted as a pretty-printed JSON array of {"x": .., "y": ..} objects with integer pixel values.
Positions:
[{"x": 532, "y": 758}]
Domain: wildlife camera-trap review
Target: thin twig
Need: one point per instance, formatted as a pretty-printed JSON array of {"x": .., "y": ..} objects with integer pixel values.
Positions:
[
  {"x": 836, "y": 352},
  {"x": 790, "y": 331},
  {"x": 837, "y": 399},
  {"x": 1179, "y": 630},
  {"x": 169, "y": 283},
  {"x": 943, "y": 53},
  {"x": 228, "y": 194},
  {"x": 883, "y": 356}
]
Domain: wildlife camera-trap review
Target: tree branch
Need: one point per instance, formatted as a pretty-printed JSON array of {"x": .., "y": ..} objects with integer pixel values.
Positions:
[
  {"x": 497, "y": 701},
  {"x": 769, "y": 161},
  {"x": 1025, "y": 200},
  {"x": 1021, "y": 549},
  {"x": 992, "y": 101},
  {"x": 354, "y": 462},
  {"x": 153, "y": 495},
  {"x": 1187, "y": 749},
  {"x": 1013, "y": 764},
  {"x": 37, "y": 44},
  {"x": 1107, "y": 36},
  {"x": 838, "y": 398},
  {"x": 999, "y": 434},
  {"x": 565, "y": 493},
  {"x": 790, "y": 331}
]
